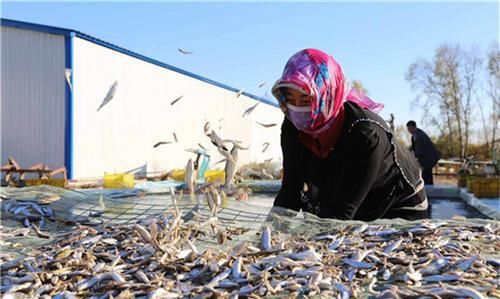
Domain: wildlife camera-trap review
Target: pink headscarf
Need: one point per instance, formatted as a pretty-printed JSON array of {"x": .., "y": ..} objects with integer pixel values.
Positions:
[{"x": 321, "y": 77}]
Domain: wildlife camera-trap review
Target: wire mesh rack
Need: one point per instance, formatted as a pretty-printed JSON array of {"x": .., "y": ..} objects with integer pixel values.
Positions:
[
  {"x": 125, "y": 211},
  {"x": 132, "y": 210}
]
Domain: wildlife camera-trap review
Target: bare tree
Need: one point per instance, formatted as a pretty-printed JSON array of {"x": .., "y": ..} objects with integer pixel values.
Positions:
[
  {"x": 402, "y": 136},
  {"x": 448, "y": 83},
  {"x": 471, "y": 70},
  {"x": 493, "y": 89},
  {"x": 421, "y": 76},
  {"x": 489, "y": 97}
]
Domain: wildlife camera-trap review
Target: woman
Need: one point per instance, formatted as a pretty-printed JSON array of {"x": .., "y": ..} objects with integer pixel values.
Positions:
[{"x": 340, "y": 159}]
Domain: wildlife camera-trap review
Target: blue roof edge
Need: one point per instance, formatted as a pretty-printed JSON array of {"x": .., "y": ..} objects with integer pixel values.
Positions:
[
  {"x": 34, "y": 27},
  {"x": 67, "y": 32}
]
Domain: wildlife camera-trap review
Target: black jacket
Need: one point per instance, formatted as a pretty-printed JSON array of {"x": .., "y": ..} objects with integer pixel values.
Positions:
[
  {"x": 366, "y": 175},
  {"x": 424, "y": 150}
]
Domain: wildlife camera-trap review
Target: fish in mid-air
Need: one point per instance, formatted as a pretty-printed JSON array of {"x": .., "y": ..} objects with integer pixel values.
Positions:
[
  {"x": 109, "y": 96},
  {"x": 185, "y": 52}
]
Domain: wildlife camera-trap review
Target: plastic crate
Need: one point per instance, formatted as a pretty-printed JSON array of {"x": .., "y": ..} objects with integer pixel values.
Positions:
[
  {"x": 461, "y": 181},
  {"x": 215, "y": 176},
  {"x": 119, "y": 181},
  {"x": 486, "y": 187},
  {"x": 469, "y": 181},
  {"x": 61, "y": 183}
]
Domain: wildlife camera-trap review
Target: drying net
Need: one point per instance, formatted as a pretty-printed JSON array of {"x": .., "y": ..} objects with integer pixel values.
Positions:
[
  {"x": 476, "y": 237},
  {"x": 122, "y": 207}
]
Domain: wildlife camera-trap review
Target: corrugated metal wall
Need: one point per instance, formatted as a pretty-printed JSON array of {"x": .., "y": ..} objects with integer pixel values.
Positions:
[
  {"x": 121, "y": 135},
  {"x": 32, "y": 97}
]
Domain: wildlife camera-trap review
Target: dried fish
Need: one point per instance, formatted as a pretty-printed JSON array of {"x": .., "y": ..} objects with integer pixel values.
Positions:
[
  {"x": 265, "y": 146},
  {"x": 87, "y": 283},
  {"x": 206, "y": 128},
  {"x": 361, "y": 229},
  {"x": 215, "y": 281},
  {"x": 393, "y": 246},
  {"x": 161, "y": 143},
  {"x": 236, "y": 268},
  {"x": 157, "y": 258},
  {"x": 185, "y": 52},
  {"x": 231, "y": 167},
  {"x": 161, "y": 293},
  {"x": 465, "y": 264},
  {"x": 412, "y": 275},
  {"x": 438, "y": 278},
  {"x": 189, "y": 176},
  {"x": 306, "y": 255},
  {"x": 267, "y": 125},
  {"x": 109, "y": 96},
  {"x": 250, "y": 110},
  {"x": 266, "y": 239},
  {"x": 356, "y": 264},
  {"x": 336, "y": 243}
]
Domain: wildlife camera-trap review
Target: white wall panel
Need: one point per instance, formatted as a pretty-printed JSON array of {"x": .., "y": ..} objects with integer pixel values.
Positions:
[{"x": 32, "y": 97}]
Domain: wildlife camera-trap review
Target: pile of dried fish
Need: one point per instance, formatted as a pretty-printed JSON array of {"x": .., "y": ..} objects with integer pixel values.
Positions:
[
  {"x": 29, "y": 210},
  {"x": 161, "y": 258}
]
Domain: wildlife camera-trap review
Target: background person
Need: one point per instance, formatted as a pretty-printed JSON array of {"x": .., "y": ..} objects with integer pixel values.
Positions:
[{"x": 424, "y": 150}]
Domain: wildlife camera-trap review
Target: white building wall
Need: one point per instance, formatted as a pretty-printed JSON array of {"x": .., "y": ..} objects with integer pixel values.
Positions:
[
  {"x": 261, "y": 135},
  {"x": 32, "y": 97},
  {"x": 120, "y": 137}
]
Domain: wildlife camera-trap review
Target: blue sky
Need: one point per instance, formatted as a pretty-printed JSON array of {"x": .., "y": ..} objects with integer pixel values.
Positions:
[{"x": 244, "y": 44}]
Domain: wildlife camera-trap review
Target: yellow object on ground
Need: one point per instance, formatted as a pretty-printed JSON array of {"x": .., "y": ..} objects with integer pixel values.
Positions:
[
  {"x": 211, "y": 176},
  {"x": 178, "y": 174},
  {"x": 61, "y": 183},
  {"x": 469, "y": 181},
  {"x": 215, "y": 176},
  {"x": 118, "y": 181},
  {"x": 486, "y": 187}
]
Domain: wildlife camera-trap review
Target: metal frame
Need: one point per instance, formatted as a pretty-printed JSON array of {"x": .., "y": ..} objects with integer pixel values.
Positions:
[{"x": 43, "y": 171}]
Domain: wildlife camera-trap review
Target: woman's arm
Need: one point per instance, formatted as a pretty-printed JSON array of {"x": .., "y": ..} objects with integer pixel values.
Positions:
[
  {"x": 357, "y": 174},
  {"x": 292, "y": 183}
]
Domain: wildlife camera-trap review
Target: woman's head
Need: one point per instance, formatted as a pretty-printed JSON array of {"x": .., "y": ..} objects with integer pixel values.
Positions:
[
  {"x": 296, "y": 97},
  {"x": 311, "y": 78}
]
